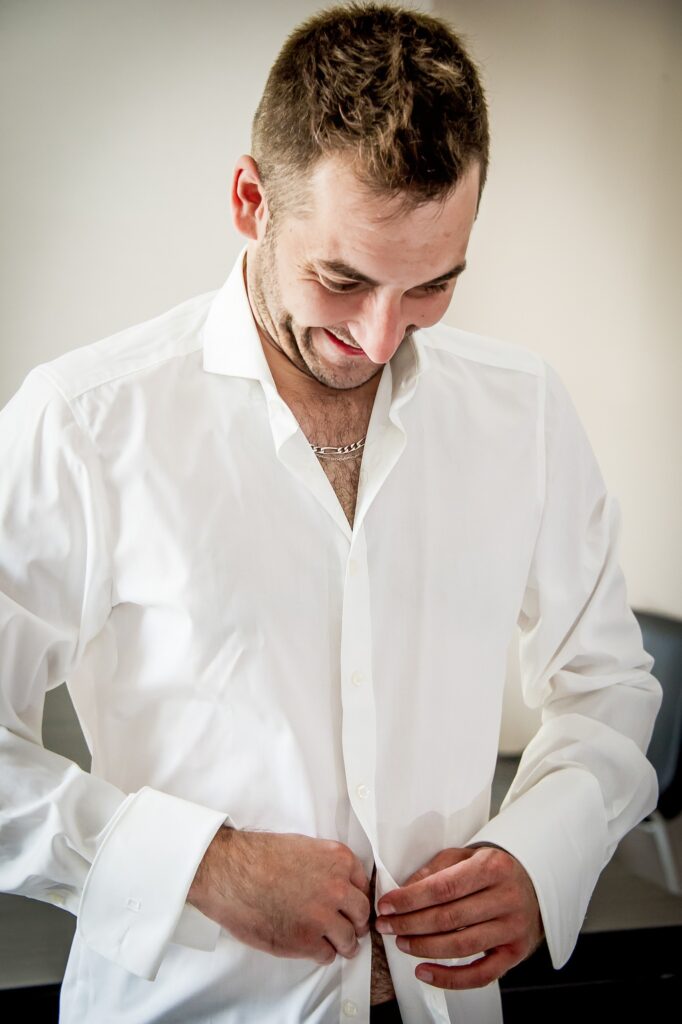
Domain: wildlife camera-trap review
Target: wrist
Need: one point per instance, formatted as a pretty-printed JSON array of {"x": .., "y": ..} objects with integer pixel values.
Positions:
[{"x": 206, "y": 876}]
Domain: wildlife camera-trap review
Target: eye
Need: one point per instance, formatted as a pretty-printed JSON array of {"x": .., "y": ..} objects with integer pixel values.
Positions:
[
  {"x": 338, "y": 287},
  {"x": 435, "y": 287}
]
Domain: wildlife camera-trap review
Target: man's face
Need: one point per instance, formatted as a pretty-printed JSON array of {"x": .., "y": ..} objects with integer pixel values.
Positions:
[{"x": 338, "y": 290}]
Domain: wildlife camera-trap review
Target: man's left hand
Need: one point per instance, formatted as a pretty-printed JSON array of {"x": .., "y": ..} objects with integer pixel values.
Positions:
[{"x": 462, "y": 902}]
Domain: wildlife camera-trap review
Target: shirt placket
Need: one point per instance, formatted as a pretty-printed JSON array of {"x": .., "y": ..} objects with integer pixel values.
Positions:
[
  {"x": 385, "y": 444},
  {"x": 359, "y": 734},
  {"x": 359, "y": 752}
]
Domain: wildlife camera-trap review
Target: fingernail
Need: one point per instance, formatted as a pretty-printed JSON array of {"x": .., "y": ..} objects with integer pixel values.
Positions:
[
  {"x": 424, "y": 975},
  {"x": 385, "y": 927},
  {"x": 386, "y": 908}
]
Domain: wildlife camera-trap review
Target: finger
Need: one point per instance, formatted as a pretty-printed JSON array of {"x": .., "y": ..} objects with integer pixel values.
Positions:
[
  {"x": 325, "y": 953},
  {"x": 356, "y": 907},
  {"x": 486, "y": 905},
  {"x": 342, "y": 936},
  {"x": 465, "y": 942},
  {"x": 481, "y": 972},
  {"x": 443, "y": 859},
  {"x": 444, "y": 886},
  {"x": 358, "y": 876}
]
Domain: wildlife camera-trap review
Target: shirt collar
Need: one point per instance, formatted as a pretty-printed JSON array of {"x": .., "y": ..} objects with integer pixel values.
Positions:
[
  {"x": 231, "y": 342},
  {"x": 232, "y": 346}
]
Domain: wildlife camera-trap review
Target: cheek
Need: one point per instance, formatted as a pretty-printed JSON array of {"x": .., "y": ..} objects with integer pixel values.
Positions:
[{"x": 429, "y": 311}]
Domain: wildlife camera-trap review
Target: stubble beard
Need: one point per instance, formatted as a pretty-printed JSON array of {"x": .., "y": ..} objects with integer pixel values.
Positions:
[{"x": 279, "y": 328}]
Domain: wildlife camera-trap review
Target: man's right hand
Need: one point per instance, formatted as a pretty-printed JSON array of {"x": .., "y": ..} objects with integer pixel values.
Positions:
[{"x": 286, "y": 894}]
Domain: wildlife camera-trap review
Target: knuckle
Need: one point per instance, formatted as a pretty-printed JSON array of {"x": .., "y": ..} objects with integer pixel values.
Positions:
[
  {"x": 500, "y": 861},
  {"x": 448, "y": 918},
  {"x": 445, "y": 888},
  {"x": 345, "y": 858},
  {"x": 360, "y": 917},
  {"x": 336, "y": 848},
  {"x": 338, "y": 891},
  {"x": 350, "y": 949}
]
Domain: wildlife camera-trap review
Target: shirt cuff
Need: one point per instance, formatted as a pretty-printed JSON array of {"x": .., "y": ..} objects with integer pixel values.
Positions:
[
  {"x": 133, "y": 901},
  {"x": 557, "y": 830}
]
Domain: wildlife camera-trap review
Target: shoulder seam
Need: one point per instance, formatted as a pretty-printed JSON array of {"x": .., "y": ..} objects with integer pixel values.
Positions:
[{"x": 79, "y": 393}]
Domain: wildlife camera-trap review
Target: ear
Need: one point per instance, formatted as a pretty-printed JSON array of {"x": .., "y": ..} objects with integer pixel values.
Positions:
[{"x": 247, "y": 198}]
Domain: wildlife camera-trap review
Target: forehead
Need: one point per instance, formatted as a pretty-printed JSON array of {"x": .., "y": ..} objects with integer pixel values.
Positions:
[{"x": 346, "y": 223}]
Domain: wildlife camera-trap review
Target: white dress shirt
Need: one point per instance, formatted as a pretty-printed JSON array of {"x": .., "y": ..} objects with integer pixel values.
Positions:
[{"x": 237, "y": 653}]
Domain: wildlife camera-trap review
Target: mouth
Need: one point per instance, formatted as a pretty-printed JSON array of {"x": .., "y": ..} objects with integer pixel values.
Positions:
[{"x": 350, "y": 350}]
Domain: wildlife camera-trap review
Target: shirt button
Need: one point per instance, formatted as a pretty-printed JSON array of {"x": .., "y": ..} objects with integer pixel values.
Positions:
[
  {"x": 349, "y": 1008},
  {"x": 363, "y": 791},
  {"x": 357, "y": 679}
]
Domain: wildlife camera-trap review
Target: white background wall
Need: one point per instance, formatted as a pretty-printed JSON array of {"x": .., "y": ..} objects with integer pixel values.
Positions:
[
  {"x": 576, "y": 251},
  {"x": 121, "y": 121}
]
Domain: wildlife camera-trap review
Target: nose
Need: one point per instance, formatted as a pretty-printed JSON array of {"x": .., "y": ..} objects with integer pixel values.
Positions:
[{"x": 380, "y": 326}]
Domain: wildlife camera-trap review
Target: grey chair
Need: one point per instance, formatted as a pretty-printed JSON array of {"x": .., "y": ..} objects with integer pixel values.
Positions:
[{"x": 662, "y": 637}]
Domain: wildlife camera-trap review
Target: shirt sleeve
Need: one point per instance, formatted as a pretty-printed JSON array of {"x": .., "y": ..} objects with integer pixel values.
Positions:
[
  {"x": 583, "y": 781},
  {"x": 123, "y": 862}
]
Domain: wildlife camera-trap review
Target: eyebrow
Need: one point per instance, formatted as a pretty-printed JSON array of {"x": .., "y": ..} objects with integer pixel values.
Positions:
[{"x": 344, "y": 270}]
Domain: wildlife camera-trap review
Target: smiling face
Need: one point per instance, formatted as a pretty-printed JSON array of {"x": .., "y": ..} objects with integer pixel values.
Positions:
[{"x": 336, "y": 291}]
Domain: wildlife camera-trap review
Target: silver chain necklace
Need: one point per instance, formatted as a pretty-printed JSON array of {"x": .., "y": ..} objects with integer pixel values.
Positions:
[{"x": 346, "y": 451}]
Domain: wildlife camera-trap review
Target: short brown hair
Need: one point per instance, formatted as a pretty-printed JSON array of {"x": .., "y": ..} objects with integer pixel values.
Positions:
[{"x": 391, "y": 87}]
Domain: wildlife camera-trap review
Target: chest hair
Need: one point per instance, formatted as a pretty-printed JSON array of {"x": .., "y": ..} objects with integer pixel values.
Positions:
[{"x": 335, "y": 424}]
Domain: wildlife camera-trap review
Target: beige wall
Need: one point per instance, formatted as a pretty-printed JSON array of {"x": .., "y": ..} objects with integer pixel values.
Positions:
[
  {"x": 122, "y": 120},
  {"x": 575, "y": 253},
  {"x": 576, "y": 250}
]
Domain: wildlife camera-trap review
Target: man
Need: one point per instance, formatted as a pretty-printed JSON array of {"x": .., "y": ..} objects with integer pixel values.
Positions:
[{"x": 278, "y": 541}]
